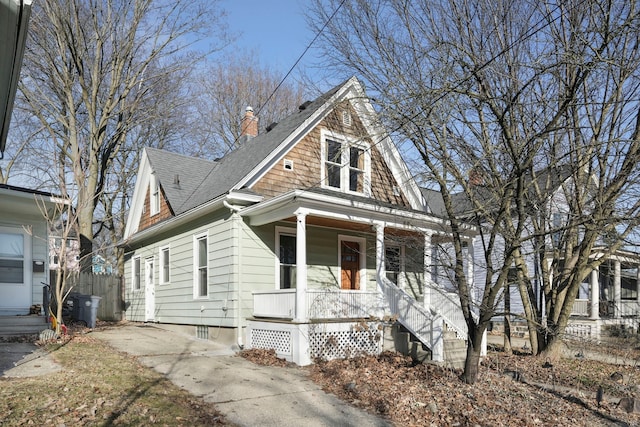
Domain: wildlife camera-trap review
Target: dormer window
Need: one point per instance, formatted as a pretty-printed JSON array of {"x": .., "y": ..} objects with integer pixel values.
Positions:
[
  {"x": 154, "y": 192},
  {"x": 346, "y": 164}
]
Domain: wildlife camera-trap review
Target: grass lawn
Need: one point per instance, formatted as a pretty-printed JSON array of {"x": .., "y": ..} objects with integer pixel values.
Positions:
[{"x": 99, "y": 386}]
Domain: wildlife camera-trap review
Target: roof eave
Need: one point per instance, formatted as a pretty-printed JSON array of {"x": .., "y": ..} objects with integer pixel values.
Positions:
[{"x": 14, "y": 19}]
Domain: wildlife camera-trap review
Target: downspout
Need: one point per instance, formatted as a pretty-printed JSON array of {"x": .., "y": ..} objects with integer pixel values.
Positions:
[{"x": 236, "y": 269}]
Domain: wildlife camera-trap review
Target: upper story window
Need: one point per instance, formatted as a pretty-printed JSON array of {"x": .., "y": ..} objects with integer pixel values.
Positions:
[
  {"x": 154, "y": 191},
  {"x": 346, "y": 164}
]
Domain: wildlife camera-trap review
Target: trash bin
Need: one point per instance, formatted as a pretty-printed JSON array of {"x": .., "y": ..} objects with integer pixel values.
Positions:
[
  {"x": 72, "y": 303},
  {"x": 87, "y": 309}
]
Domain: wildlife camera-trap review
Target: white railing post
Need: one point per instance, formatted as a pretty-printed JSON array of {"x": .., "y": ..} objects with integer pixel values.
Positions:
[
  {"x": 301, "y": 266},
  {"x": 594, "y": 297},
  {"x": 617, "y": 300},
  {"x": 380, "y": 258},
  {"x": 437, "y": 339},
  {"x": 426, "y": 291}
]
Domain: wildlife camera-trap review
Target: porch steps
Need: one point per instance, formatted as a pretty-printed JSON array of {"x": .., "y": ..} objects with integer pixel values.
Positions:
[
  {"x": 455, "y": 350},
  {"x": 21, "y": 325}
]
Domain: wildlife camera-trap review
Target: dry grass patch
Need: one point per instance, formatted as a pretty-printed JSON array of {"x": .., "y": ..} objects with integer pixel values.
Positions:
[{"x": 99, "y": 386}]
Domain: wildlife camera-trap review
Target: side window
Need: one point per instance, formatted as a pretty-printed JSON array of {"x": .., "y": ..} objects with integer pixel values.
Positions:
[
  {"x": 392, "y": 263},
  {"x": 287, "y": 260},
  {"x": 201, "y": 270},
  {"x": 165, "y": 272},
  {"x": 11, "y": 258},
  {"x": 136, "y": 274}
]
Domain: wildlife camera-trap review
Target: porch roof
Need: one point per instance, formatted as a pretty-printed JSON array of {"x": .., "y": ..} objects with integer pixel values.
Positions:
[{"x": 340, "y": 206}]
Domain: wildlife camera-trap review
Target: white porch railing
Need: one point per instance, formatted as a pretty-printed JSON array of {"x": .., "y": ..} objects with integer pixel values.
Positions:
[
  {"x": 580, "y": 307},
  {"x": 321, "y": 304},
  {"x": 447, "y": 305},
  {"x": 278, "y": 303},
  {"x": 629, "y": 308},
  {"x": 343, "y": 304}
]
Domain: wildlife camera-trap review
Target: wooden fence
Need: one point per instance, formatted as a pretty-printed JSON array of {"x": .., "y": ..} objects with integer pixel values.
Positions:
[{"x": 107, "y": 287}]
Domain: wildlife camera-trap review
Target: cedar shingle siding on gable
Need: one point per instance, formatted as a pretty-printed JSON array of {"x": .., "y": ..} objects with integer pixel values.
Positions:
[
  {"x": 147, "y": 220},
  {"x": 307, "y": 163}
]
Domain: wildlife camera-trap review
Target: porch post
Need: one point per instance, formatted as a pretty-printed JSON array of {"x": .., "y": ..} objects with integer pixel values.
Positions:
[
  {"x": 470, "y": 271},
  {"x": 595, "y": 294},
  {"x": 637, "y": 312},
  {"x": 381, "y": 268},
  {"x": 617, "y": 300},
  {"x": 427, "y": 283},
  {"x": 301, "y": 266}
]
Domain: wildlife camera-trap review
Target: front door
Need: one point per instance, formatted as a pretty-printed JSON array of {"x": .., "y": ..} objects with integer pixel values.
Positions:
[
  {"x": 149, "y": 291},
  {"x": 15, "y": 271},
  {"x": 350, "y": 265}
]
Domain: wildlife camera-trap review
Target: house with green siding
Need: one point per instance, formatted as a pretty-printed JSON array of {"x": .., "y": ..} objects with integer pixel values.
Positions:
[{"x": 310, "y": 238}]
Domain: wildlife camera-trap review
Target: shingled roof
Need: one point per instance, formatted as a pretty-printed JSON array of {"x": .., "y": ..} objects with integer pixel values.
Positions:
[{"x": 203, "y": 180}]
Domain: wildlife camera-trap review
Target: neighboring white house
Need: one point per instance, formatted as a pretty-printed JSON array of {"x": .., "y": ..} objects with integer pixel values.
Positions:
[
  {"x": 298, "y": 240},
  {"x": 23, "y": 248}
]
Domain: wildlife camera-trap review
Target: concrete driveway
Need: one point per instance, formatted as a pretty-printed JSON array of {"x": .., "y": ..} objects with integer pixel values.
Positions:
[
  {"x": 21, "y": 359},
  {"x": 247, "y": 394}
]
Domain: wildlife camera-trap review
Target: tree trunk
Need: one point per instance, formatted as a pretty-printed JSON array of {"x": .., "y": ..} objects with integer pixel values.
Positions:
[
  {"x": 474, "y": 348},
  {"x": 507, "y": 321}
]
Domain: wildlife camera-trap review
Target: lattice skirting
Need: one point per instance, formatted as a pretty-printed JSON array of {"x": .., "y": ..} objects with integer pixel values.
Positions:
[
  {"x": 301, "y": 343},
  {"x": 326, "y": 341},
  {"x": 278, "y": 340}
]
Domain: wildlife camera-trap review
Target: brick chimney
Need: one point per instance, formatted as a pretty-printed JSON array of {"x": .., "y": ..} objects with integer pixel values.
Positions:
[{"x": 249, "y": 125}]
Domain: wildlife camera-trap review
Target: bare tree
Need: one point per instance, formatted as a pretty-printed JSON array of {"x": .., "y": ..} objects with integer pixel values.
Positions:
[
  {"x": 489, "y": 94},
  {"x": 90, "y": 71},
  {"x": 222, "y": 93}
]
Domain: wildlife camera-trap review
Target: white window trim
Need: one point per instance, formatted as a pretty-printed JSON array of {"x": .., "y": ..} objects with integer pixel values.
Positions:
[
  {"x": 26, "y": 253},
  {"x": 133, "y": 274},
  {"x": 161, "y": 264},
  {"x": 288, "y": 231},
  {"x": 363, "y": 259},
  {"x": 344, "y": 162},
  {"x": 154, "y": 195},
  {"x": 196, "y": 266}
]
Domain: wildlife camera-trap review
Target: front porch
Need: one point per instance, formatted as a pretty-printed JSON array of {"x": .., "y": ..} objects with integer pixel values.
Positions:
[
  {"x": 343, "y": 323},
  {"x": 610, "y": 297}
]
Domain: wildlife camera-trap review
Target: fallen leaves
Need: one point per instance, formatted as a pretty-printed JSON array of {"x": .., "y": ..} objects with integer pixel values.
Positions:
[{"x": 393, "y": 387}]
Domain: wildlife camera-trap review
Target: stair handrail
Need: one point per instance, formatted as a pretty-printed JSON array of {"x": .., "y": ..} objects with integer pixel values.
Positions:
[
  {"x": 450, "y": 310},
  {"x": 408, "y": 315},
  {"x": 411, "y": 315}
]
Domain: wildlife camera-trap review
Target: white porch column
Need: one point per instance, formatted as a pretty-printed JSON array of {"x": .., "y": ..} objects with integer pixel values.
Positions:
[
  {"x": 381, "y": 268},
  {"x": 594, "y": 295},
  {"x": 617, "y": 300},
  {"x": 470, "y": 271},
  {"x": 428, "y": 284},
  {"x": 301, "y": 266},
  {"x": 637, "y": 312}
]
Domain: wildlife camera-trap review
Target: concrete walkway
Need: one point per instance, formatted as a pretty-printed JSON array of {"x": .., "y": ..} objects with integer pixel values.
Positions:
[{"x": 247, "y": 394}]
